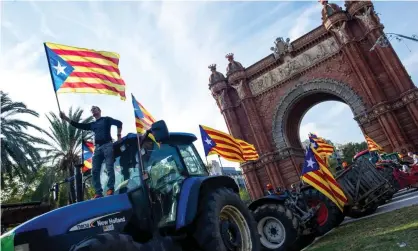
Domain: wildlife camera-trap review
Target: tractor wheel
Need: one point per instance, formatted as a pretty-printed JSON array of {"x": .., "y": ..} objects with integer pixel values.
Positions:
[
  {"x": 361, "y": 213},
  {"x": 107, "y": 242},
  {"x": 224, "y": 223},
  {"x": 302, "y": 242},
  {"x": 328, "y": 215},
  {"x": 340, "y": 217},
  {"x": 277, "y": 226}
]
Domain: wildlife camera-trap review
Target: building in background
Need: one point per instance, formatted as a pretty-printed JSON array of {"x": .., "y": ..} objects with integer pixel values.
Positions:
[
  {"x": 228, "y": 171},
  {"x": 215, "y": 168}
]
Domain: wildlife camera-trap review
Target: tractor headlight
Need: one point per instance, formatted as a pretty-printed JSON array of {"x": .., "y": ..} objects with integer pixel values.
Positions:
[{"x": 23, "y": 247}]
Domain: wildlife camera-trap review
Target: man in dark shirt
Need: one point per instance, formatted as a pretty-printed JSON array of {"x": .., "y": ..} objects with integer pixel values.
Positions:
[{"x": 103, "y": 147}]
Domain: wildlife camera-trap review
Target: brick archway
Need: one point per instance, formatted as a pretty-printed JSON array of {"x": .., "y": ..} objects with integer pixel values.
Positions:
[
  {"x": 301, "y": 98},
  {"x": 264, "y": 103}
]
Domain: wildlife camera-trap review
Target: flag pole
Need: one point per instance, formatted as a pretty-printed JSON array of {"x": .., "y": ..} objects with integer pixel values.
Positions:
[
  {"x": 52, "y": 78},
  {"x": 220, "y": 163},
  {"x": 207, "y": 164},
  {"x": 82, "y": 144}
]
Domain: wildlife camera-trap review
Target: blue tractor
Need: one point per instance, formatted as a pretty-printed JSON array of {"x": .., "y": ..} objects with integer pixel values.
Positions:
[
  {"x": 164, "y": 200},
  {"x": 285, "y": 221}
]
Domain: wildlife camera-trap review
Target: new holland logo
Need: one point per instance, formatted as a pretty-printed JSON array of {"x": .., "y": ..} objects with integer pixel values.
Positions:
[{"x": 98, "y": 222}]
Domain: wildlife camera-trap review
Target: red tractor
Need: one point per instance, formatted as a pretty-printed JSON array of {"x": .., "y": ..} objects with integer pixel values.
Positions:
[{"x": 393, "y": 169}]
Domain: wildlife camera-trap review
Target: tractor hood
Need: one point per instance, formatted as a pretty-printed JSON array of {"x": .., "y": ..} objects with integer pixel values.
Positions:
[{"x": 61, "y": 220}]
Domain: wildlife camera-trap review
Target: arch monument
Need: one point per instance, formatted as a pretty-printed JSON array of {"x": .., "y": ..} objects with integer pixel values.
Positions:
[{"x": 264, "y": 103}]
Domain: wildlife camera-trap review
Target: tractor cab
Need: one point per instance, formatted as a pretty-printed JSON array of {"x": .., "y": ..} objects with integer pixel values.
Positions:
[
  {"x": 165, "y": 167},
  {"x": 373, "y": 157}
]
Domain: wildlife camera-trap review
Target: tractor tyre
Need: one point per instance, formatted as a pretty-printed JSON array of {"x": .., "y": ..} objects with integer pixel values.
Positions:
[
  {"x": 340, "y": 217},
  {"x": 224, "y": 223},
  {"x": 277, "y": 226},
  {"x": 302, "y": 242},
  {"x": 108, "y": 242},
  {"x": 361, "y": 213},
  {"x": 328, "y": 215}
]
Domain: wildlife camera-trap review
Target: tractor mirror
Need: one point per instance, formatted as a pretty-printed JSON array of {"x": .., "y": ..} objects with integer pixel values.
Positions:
[
  {"x": 160, "y": 131},
  {"x": 55, "y": 191}
]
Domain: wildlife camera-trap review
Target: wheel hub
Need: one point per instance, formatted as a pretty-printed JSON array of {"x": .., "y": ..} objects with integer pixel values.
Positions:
[
  {"x": 230, "y": 235},
  {"x": 273, "y": 231}
]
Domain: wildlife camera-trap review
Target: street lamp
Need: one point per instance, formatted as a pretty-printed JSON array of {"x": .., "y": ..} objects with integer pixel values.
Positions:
[{"x": 383, "y": 40}]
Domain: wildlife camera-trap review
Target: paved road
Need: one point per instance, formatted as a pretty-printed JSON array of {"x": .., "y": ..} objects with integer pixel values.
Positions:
[{"x": 402, "y": 199}]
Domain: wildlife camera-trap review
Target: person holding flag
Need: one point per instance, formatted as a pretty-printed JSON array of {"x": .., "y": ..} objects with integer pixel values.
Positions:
[{"x": 103, "y": 150}]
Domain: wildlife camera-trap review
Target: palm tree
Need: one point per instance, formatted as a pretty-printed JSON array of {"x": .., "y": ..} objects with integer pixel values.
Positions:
[
  {"x": 65, "y": 143},
  {"x": 20, "y": 155}
]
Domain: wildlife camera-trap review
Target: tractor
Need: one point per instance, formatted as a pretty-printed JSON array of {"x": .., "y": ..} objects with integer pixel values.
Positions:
[
  {"x": 392, "y": 168},
  {"x": 164, "y": 200},
  {"x": 284, "y": 219},
  {"x": 291, "y": 219}
]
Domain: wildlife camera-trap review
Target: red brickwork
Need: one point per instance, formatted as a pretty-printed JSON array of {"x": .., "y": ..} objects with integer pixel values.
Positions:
[{"x": 265, "y": 102}]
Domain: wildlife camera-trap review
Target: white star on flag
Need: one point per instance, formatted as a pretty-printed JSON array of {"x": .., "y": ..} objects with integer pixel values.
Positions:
[
  {"x": 310, "y": 163},
  {"x": 60, "y": 68},
  {"x": 208, "y": 141}
]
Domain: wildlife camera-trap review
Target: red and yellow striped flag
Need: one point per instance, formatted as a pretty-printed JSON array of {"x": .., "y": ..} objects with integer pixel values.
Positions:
[
  {"x": 143, "y": 119},
  {"x": 316, "y": 174},
  {"x": 248, "y": 150},
  {"x": 373, "y": 146},
  {"x": 226, "y": 146},
  {"x": 321, "y": 146},
  {"x": 82, "y": 70},
  {"x": 88, "y": 149}
]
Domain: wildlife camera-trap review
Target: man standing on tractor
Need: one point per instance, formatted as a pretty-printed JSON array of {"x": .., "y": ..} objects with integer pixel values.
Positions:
[{"x": 103, "y": 150}]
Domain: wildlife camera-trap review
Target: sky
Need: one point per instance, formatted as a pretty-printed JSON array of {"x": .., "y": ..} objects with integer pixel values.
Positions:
[{"x": 165, "y": 50}]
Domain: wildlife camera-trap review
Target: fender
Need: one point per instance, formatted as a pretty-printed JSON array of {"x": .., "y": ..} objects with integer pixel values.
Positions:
[
  {"x": 269, "y": 199},
  {"x": 60, "y": 220},
  {"x": 189, "y": 195}
]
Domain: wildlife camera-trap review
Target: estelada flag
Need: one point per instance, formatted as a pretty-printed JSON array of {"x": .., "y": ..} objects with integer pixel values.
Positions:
[
  {"x": 82, "y": 70},
  {"x": 143, "y": 119},
  {"x": 316, "y": 174},
  {"x": 321, "y": 146},
  {"x": 88, "y": 149},
  {"x": 226, "y": 146},
  {"x": 373, "y": 146}
]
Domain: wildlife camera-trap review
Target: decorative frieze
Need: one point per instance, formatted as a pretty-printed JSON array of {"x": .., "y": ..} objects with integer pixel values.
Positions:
[{"x": 293, "y": 66}]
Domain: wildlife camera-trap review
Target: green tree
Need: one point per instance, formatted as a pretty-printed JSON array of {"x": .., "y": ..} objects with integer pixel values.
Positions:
[
  {"x": 244, "y": 195},
  {"x": 32, "y": 188},
  {"x": 20, "y": 155},
  {"x": 64, "y": 145},
  {"x": 351, "y": 149},
  {"x": 332, "y": 163}
]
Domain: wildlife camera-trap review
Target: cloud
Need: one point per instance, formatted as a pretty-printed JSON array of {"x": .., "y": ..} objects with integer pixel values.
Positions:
[
  {"x": 313, "y": 127},
  {"x": 336, "y": 109},
  {"x": 411, "y": 62},
  {"x": 306, "y": 21}
]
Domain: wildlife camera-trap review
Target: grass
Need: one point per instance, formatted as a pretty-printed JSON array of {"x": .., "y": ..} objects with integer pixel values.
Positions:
[{"x": 382, "y": 232}]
